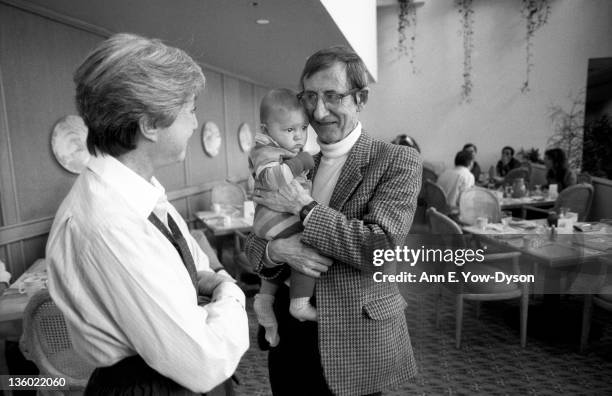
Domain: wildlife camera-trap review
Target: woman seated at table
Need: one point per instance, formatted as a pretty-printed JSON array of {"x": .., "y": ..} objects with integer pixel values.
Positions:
[{"x": 558, "y": 170}]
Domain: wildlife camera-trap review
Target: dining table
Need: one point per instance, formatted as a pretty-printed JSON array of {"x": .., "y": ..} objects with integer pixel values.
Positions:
[
  {"x": 220, "y": 225},
  {"x": 553, "y": 247},
  {"x": 13, "y": 302},
  {"x": 564, "y": 261},
  {"x": 538, "y": 201}
]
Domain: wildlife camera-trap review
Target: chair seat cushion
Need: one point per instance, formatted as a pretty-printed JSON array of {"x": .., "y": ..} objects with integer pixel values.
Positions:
[
  {"x": 484, "y": 287},
  {"x": 605, "y": 293}
]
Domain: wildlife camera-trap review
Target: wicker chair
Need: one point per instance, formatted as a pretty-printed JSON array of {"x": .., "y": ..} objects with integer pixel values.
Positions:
[
  {"x": 435, "y": 197},
  {"x": 489, "y": 291},
  {"x": 429, "y": 174},
  {"x": 576, "y": 198},
  {"x": 517, "y": 173},
  {"x": 46, "y": 341},
  {"x": 478, "y": 202},
  {"x": 229, "y": 194},
  {"x": 248, "y": 280}
]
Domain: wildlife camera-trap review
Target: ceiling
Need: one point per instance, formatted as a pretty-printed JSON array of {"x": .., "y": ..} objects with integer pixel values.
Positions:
[{"x": 220, "y": 33}]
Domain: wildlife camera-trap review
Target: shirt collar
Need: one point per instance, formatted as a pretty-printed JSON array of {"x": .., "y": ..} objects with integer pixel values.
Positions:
[
  {"x": 142, "y": 195},
  {"x": 341, "y": 148}
]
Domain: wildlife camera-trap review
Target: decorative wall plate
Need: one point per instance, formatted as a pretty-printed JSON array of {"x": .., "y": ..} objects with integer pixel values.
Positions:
[
  {"x": 245, "y": 137},
  {"x": 68, "y": 142},
  {"x": 211, "y": 138}
]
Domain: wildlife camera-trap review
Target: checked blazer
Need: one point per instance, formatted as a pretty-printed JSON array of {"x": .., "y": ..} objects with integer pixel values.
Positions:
[{"x": 363, "y": 336}]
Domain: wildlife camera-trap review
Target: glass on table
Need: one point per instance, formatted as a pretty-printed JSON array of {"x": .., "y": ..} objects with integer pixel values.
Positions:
[
  {"x": 563, "y": 211},
  {"x": 481, "y": 222},
  {"x": 537, "y": 191},
  {"x": 506, "y": 217},
  {"x": 508, "y": 191}
]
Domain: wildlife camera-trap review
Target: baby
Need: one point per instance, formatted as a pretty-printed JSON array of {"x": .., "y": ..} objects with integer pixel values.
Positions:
[{"x": 276, "y": 160}]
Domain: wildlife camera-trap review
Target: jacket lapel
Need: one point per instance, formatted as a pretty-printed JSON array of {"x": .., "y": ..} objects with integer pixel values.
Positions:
[
  {"x": 317, "y": 161},
  {"x": 352, "y": 171}
]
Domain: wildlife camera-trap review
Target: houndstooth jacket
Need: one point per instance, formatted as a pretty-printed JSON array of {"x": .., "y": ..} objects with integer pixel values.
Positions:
[{"x": 363, "y": 336}]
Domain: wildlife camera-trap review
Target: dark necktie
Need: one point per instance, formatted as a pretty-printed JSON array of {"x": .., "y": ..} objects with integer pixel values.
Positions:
[{"x": 179, "y": 242}]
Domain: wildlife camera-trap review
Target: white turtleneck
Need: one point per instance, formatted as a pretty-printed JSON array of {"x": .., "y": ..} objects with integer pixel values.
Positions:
[{"x": 332, "y": 160}]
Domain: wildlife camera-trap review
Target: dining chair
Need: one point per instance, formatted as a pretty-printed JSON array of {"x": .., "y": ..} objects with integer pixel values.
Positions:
[
  {"x": 248, "y": 280},
  {"x": 478, "y": 202},
  {"x": 478, "y": 291},
  {"x": 517, "y": 173},
  {"x": 46, "y": 341},
  {"x": 428, "y": 174},
  {"x": 227, "y": 193},
  {"x": 435, "y": 197},
  {"x": 577, "y": 198},
  {"x": 600, "y": 296},
  {"x": 213, "y": 259}
]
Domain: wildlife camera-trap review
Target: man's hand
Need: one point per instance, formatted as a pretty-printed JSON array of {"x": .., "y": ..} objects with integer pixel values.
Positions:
[
  {"x": 3, "y": 287},
  {"x": 208, "y": 282},
  {"x": 288, "y": 199},
  {"x": 298, "y": 256}
]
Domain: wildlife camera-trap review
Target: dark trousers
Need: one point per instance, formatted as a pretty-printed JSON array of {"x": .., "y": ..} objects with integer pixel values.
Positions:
[
  {"x": 19, "y": 365},
  {"x": 294, "y": 364},
  {"x": 132, "y": 376}
]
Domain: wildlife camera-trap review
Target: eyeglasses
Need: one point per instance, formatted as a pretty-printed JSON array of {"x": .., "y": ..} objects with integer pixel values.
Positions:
[{"x": 310, "y": 98}]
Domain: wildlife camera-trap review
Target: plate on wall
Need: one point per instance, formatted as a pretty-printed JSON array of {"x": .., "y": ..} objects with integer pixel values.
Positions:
[
  {"x": 211, "y": 138},
  {"x": 245, "y": 137},
  {"x": 68, "y": 143}
]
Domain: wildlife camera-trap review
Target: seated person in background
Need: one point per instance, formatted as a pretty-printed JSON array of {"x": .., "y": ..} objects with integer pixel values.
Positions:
[
  {"x": 5, "y": 278},
  {"x": 557, "y": 169},
  {"x": 276, "y": 160},
  {"x": 123, "y": 267},
  {"x": 475, "y": 169},
  {"x": 458, "y": 179},
  {"x": 405, "y": 140},
  {"x": 504, "y": 165},
  {"x": 585, "y": 177}
]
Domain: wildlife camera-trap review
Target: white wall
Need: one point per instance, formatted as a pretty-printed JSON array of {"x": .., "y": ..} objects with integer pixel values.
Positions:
[{"x": 427, "y": 105}]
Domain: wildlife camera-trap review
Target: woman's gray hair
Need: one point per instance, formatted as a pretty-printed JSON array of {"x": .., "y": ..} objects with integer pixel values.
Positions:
[{"x": 128, "y": 79}]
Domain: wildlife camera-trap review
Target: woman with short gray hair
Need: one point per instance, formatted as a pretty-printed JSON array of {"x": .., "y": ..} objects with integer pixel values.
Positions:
[{"x": 123, "y": 267}]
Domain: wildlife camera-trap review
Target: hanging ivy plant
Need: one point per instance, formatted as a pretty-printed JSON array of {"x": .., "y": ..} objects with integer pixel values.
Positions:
[
  {"x": 407, "y": 19},
  {"x": 467, "y": 24},
  {"x": 536, "y": 14}
]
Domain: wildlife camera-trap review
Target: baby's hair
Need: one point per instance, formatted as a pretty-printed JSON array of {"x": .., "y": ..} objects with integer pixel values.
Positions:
[{"x": 278, "y": 100}]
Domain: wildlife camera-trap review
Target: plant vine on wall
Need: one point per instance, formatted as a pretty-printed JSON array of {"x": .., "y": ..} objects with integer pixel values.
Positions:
[
  {"x": 407, "y": 18},
  {"x": 467, "y": 23},
  {"x": 568, "y": 127},
  {"x": 536, "y": 13}
]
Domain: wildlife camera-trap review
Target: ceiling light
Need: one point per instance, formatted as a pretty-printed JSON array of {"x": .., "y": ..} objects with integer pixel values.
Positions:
[{"x": 262, "y": 21}]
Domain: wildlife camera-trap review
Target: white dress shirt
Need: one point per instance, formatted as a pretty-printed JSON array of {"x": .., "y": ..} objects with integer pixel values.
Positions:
[
  {"x": 5, "y": 276},
  {"x": 125, "y": 290},
  {"x": 454, "y": 181}
]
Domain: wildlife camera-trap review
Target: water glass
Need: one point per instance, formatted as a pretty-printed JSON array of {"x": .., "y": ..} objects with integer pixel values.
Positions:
[
  {"x": 482, "y": 222},
  {"x": 506, "y": 217}
]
